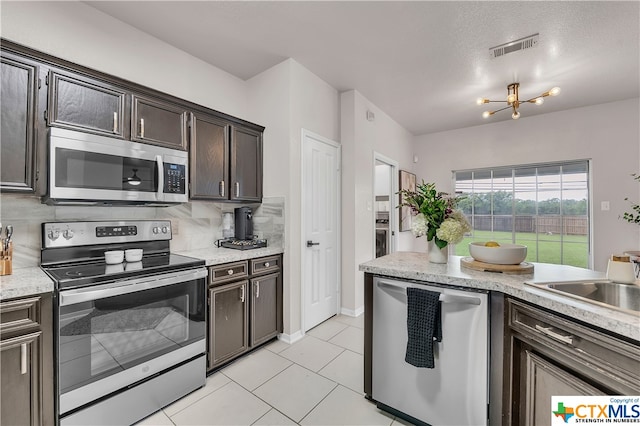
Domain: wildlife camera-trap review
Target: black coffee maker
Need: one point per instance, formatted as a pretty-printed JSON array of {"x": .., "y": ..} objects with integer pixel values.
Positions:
[{"x": 244, "y": 223}]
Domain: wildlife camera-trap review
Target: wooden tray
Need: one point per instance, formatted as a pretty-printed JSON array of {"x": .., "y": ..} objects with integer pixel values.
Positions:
[{"x": 471, "y": 263}]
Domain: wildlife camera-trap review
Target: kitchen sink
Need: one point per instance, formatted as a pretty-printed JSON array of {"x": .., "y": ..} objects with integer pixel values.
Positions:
[{"x": 623, "y": 297}]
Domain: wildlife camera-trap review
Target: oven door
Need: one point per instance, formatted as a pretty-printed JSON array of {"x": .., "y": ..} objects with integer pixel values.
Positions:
[
  {"x": 86, "y": 167},
  {"x": 114, "y": 335}
]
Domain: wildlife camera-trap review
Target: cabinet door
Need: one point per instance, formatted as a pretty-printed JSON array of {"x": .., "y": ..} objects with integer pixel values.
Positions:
[
  {"x": 543, "y": 380},
  {"x": 228, "y": 331},
  {"x": 18, "y": 91},
  {"x": 87, "y": 105},
  {"x": 158, "y": 123},
  {"x": 20, "y": 380},
  {"x": 266, "y": 308},
  {"x": 209, "y": 153},
  {"x": 246, "y": 165}
]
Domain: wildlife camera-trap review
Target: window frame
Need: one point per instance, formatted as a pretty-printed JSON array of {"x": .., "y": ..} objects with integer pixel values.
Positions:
[{"x": 513, "y": 190}]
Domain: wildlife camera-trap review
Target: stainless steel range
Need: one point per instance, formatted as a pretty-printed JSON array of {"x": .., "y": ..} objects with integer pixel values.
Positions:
[{"x": 130, "y": 337}]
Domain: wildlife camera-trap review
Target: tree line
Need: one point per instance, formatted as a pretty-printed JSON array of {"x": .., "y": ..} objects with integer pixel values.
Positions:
[{"x": 503, "y": 203}]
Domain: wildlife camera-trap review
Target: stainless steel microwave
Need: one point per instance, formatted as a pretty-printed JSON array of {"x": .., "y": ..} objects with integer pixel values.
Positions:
[{"x": 89, "y": 169}]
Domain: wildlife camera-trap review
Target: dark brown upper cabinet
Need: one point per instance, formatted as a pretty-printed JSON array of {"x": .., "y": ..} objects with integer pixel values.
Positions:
[
  {"x": 209, "y": 157},
  {"x": 18, "y": 91},
  {"x": 87, "y": 105},
  {"x": 246, "y": 165},
  {"x": 158, "y": 123},
  {"x": 226, "y": 160}
]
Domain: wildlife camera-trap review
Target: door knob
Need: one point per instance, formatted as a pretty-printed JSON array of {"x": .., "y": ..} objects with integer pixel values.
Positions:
[{"x": 311, "y": 243}]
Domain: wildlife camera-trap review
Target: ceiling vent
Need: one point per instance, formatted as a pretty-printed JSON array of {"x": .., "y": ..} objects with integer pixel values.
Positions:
[{"x": 514, "y": 46}]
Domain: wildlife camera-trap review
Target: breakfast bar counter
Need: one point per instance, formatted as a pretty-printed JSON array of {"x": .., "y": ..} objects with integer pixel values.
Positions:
[{"x": 415, "y": 266}]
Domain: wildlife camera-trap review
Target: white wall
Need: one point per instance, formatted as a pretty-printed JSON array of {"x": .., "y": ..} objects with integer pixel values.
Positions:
[
  {"x": 360, "y": 138},
  {"x": 81, "y": 34},
  {"x": 608, "y": 134},
  {"x": 286, "y": 99},
  {"x": 382, "y": 184}
]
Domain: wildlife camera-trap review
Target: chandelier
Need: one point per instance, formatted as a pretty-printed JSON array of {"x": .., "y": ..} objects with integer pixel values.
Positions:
[{"x": 514, "y": 102}]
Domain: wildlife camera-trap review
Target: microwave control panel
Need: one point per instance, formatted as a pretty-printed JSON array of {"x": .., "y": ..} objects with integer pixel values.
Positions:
[{"x": 174, "y": 179}]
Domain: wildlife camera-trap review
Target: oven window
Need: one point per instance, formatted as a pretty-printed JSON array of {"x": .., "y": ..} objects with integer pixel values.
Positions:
[
  {"x": 106, "y": 336},
  {"x": 82, "y": 169}
]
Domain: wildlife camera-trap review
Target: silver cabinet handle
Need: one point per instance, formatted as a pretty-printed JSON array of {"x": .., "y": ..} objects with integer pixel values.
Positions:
[
  {"x": 230, "y": 272},
  {"x": 237, "y": 189},
  {"x": 115, "y": 122},
  {"x": 266, "y": 264},
  {"x": 257, "y": 289},
  {"x": 142, "y": 128},
  {"x": 311, "y": 243},
  {"x": 547, "y": 331},
  {"x": 242, "y": 294},
  {"x": 221, "y": 188},
  {"x": 23, "y": 358}
]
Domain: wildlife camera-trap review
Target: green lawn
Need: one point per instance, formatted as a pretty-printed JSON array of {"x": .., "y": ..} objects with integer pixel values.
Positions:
[{"x": 572, "y": 250}]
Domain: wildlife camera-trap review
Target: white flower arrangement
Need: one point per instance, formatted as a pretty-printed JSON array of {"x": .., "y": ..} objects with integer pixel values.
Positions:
[{"x": 436, "y": 215}]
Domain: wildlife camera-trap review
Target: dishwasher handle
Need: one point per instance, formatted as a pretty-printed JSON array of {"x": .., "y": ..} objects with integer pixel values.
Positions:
[{"x": 444, "y": 298}]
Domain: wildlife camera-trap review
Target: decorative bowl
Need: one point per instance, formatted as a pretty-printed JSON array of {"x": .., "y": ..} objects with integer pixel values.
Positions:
[
  {"x": 505, "y": 254},
  {"x": 114, "y": 257},
  {"x": 133, "y": 255}
]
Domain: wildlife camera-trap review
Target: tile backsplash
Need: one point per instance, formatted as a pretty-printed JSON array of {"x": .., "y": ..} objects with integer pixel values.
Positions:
[{"x": 195, "y": 225}]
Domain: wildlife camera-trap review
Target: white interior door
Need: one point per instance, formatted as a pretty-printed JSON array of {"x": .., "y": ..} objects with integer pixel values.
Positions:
[{"x": 321, "y": 228}]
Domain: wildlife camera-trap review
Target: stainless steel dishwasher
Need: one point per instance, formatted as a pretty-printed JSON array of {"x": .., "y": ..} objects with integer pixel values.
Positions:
[{"x": 455, "y": 392}]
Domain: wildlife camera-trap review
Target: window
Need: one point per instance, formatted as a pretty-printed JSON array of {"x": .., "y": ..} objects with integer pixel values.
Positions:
[{"x": 545, "y": 207}]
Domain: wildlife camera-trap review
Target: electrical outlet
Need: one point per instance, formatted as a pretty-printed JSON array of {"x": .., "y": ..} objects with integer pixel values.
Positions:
[{"x": 604, "y": 206}]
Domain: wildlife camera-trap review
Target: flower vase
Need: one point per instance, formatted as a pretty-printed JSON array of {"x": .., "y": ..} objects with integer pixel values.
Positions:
[{"x": 437, "y": 254}]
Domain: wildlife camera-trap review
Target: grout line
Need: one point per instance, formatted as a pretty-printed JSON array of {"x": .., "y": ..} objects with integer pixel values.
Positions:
[
  {"x": 199, "y": 399},
  {"x": 278, "y": 411},
  {"x": 320, "y": 402}
]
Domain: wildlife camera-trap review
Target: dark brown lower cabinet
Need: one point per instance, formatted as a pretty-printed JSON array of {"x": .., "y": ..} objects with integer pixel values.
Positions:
[
  {"x": 245, "y": 307},
  {"x": 229, "y": 315},
  {"x": 265, "y": 308},
  {"x": 26, "y": 362},
  {"x": 551, "y": 355}
]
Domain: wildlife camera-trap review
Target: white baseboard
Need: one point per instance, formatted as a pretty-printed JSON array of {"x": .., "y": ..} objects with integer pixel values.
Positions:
[
  {"x": 351, "y": 313},
  {"x": 291, "y": 338}
]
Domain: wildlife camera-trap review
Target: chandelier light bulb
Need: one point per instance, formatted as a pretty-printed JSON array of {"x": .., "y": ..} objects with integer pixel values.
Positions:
[
  {"x": 554, "y": 92},
  {"x": 486, "y": 114},
  {"x": 511, "y": 98},
  {"x": 539, "y": 101},
  {"x": 480, "y": 101},
  {"x": 515, "y": 115}
]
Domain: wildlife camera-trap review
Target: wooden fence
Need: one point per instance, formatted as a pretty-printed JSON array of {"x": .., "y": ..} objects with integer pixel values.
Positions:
[{"x": 546, "y": 224}]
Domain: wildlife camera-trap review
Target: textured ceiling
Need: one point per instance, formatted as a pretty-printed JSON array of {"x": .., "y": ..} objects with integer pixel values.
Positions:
[{"x": 423, "y": 63}]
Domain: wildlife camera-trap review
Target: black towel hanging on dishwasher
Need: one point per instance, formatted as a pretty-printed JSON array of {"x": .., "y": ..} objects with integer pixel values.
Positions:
[{"x": 424, "y": 326}]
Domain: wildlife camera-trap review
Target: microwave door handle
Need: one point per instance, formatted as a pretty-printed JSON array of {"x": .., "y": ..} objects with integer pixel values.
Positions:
[{"x": 160, "y": 190}]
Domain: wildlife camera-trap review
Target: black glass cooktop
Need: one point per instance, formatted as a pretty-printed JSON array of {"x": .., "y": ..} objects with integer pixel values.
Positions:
[{"x": 93, "y": 272}]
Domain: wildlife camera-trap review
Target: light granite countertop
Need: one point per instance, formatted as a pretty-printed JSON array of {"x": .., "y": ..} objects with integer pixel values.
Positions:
[
  {"x": 24, "y": 282},
  {"x": 216, "y": 256},
  {"x": 416, "y": 266}
]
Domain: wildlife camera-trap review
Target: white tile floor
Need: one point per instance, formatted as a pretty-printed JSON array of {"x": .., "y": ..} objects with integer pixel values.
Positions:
[{"x": 316, "y": 381}]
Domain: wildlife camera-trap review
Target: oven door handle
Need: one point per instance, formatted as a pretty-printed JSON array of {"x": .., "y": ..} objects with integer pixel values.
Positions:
[{"x": 71, "y": 297}]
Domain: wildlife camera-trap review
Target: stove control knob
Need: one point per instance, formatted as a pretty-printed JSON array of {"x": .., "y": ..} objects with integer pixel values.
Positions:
[
  {"x": 230, "y": 272},
  {"x": 67, "y": 234},
  {"x": 53, "y": 235},
  {"x": 165, "y": 229},
  {"x": 156, "y": 229}
]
